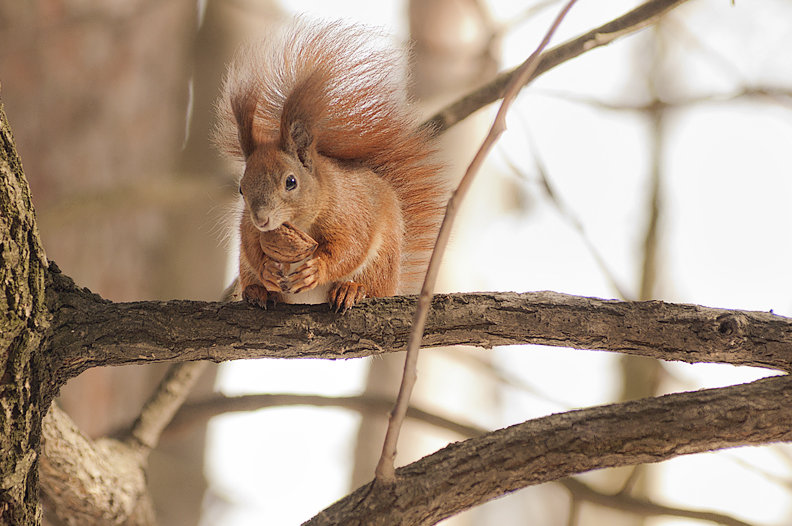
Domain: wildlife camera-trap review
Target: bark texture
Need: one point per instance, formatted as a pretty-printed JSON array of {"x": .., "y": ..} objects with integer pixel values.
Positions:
[
  {"x": 465, "y": 474},
  {"x": 92, "y": 482},
  {"x": 23, "y": 323},
  {"x": 90, "y": 332}
]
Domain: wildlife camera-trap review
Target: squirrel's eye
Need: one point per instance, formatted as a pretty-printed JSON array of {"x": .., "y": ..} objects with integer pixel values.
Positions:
[
  {"x": 291, "y": 182},
  {"x": 240, "y": 190}
]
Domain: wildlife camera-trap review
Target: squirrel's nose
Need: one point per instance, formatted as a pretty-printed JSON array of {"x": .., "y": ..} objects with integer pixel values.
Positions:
[{"x": 261, "y": 221}]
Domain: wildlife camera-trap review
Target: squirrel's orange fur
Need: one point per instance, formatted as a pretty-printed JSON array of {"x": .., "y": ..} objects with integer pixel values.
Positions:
[{"x": 320, "y": 117}]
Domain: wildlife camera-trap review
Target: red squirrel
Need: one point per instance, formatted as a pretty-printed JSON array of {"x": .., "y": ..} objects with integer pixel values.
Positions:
[{"x": 330, "y": 143}]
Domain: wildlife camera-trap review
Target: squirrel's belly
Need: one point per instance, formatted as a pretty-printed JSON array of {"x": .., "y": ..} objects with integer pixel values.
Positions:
[{"x": 317, "y": 294}]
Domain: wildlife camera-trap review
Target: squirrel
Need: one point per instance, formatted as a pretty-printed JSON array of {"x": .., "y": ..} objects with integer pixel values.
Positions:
[{"x": 332, "y": 146}]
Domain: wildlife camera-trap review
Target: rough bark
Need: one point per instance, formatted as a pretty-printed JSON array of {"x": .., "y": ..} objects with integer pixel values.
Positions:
[
  {"x": 465, "y": 474},
  {"x": 91, "y": 482},
  {"x": 23, "y": 323},
  {"x": 89, "y": 331}
]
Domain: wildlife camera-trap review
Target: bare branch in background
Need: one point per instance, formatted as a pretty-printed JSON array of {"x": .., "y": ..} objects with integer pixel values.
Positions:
[
  {"x": 163, "y": 405},
  {"x": 199, "y": 412},
  {"x": 639, "y": 18},
  {"x": 643, "y": 507},
  {"x": 505, "y": 377},
  {"x": 780, "y": 96}
]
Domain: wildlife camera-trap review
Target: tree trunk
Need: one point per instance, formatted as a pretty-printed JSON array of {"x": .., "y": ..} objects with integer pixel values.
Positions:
[{"x": 23, "y": 322}]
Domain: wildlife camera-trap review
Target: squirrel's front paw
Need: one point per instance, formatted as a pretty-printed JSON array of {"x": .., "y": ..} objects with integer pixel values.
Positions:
[
  {"x": 259, "y": 296},
  {"x": 345, "y": 294},
  {"x": 271, "y": 275},
  {"x": 303, "y": 278}
]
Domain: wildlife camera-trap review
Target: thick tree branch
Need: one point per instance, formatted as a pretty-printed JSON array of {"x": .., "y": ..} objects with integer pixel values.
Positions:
[
  {"x": 465, "y": 474},
  {"x": 89, "y": 331},
  {"x": 640, "y": 17},
  {"x": 91, "y": 482},
  {"x": 199, "y": 412}
]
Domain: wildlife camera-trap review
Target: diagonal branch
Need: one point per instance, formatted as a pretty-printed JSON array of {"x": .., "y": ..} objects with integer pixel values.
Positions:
[
  {"x": 159, "y": 410},
  {"x": 642, "y": 16},
  {"x": 465, "y": 474}
]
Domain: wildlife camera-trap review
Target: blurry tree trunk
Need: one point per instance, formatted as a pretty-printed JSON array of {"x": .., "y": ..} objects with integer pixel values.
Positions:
[
  {"x": 641, "y": 376},
  {"x": 451, "y": 54},
  {"x": 99, "y": 94}
]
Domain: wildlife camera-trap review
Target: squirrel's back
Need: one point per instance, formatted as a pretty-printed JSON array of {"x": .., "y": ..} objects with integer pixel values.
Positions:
[{"x": 352, "y": 91}]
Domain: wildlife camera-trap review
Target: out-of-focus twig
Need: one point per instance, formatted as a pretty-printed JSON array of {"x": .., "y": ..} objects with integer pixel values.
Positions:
[
  {"x": 568, "y": 214},
  {"x": 199, "y": 412},
  {"x": 779, "y": 95},
  {"x": 163, "y": 404},
  {"x": 385, "y": 471},
  {"x": 643, "y": 507}
]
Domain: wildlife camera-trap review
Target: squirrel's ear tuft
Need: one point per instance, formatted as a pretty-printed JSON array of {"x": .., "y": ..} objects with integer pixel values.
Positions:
[
  {"x": 244, "y": 106},
  {"x": 299, "y": 142}
]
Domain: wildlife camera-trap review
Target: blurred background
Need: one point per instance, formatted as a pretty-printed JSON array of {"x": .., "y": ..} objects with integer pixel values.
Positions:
[{"x": 655, "y": 168}]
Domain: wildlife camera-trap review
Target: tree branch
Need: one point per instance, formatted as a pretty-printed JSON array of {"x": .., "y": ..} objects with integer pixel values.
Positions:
[
  {"x": 200, "y": 411},
  {"x": 88, "y": 331},
  {"x": 159, "y": 410},
  {"x": 91, "y": 482},
  {"x": 465, "y": 474},
  {"x": 640, "y": 17}
]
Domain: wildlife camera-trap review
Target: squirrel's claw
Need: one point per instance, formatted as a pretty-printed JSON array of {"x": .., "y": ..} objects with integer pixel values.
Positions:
[
  {"x": 258, "y": 295},
  {"x": 272, "y": 276},
  {"x": 304, "y": 278},
  {"x": 345, "y": 294}
]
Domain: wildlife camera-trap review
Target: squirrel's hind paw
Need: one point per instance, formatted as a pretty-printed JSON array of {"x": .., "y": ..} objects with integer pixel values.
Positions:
[
  {"x": 345, "y": 294},
  {"x": 259, "y": 296}
]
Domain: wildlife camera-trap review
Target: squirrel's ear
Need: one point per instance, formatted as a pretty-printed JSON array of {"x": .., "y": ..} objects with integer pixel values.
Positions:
[
  {"x": 244, "y": 109},
  {"x": 299, "y": 142}
]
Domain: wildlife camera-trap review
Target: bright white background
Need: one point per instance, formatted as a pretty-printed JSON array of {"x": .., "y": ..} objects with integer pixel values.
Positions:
[{"x": 725, "y": 242}]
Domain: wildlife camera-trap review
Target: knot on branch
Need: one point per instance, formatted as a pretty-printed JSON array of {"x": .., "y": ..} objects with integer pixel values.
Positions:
[{"x": 731, "y": 324}]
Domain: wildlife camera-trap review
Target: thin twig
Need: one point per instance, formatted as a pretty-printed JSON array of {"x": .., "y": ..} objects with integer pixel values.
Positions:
[
  {"x": 163, "y": 404},
  {"x": 385, "y": 471}
]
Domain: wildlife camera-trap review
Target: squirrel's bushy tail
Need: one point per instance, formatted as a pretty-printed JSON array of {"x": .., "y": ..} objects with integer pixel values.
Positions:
[{"x": 350, "y": 91}]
